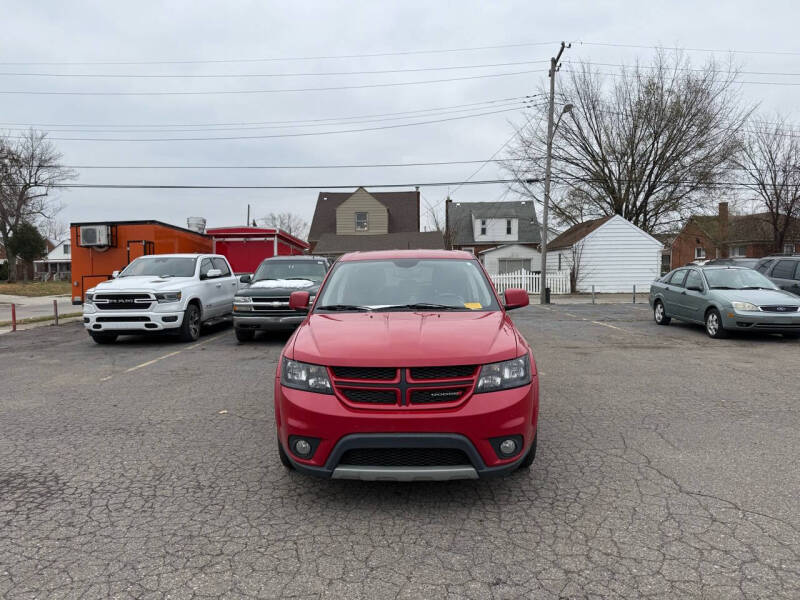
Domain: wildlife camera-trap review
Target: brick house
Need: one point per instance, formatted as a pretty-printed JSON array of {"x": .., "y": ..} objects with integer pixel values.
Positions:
[{"x": 723, "y": 235}]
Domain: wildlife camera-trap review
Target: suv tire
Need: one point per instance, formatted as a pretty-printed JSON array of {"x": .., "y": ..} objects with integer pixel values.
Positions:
[
  {"x": 660, "y": 313},
  {"x": 714, "y": 326},
  {"x": 190, "y": 327},
  {"x": 284, "y": 458},
  {"x": 245, "y": 335},
  {"x": 104, "y": 338},
  {"x": 528, "y": 460}
]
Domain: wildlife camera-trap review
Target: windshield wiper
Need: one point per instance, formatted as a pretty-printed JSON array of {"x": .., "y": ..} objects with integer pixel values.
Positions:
[
  {"x": 344, "y": 307},
  {"x": 422, "y": 306}
]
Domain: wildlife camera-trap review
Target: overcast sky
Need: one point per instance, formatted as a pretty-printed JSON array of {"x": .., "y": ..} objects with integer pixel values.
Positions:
[{"x": 149, "y": 31}]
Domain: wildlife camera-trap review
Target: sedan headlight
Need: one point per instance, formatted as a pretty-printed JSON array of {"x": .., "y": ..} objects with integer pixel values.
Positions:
[
  {"x": 745, "y": 307},
  {"x": 303, "y": 376},
  {"x": 242, "y": 299},
  {"x": 164, "y": 297},
  {"x": 504, "y": 375}
]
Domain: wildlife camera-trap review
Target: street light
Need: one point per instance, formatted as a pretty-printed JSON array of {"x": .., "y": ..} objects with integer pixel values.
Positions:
[{"x": 551, "y": 132}]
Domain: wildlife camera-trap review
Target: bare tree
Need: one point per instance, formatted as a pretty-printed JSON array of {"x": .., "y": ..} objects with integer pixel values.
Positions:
[
  {"x": 30, "y": 168},
  {"x": 53, "y": 229},
  {"x": 648, "y": 146},
  {"x": 289, "y": 222},
  {"x": 770, "y": 167}
]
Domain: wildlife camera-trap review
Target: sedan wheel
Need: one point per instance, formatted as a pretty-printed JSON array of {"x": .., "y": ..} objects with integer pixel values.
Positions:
[
  {"x": 659, "y": 314},
  {"x": 714, "y": 326}
]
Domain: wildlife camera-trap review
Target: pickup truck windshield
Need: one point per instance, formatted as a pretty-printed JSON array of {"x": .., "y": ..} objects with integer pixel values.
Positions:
[
  {"x": 737, "y": 279},
  {"x": 160, "y": 266},
  {"x": 407, "y": 285},
  {"x": 312, "y": 270}
]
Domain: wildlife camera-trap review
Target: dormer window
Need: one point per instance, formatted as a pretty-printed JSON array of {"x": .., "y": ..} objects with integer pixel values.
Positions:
[
  {"x": 483, "y": 226},
  {"x": 361, "y": 221}
]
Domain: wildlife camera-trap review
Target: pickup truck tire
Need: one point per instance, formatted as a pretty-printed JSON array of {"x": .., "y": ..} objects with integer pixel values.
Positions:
[
  {"x": 245, "y": 335},
  {"x": 530, "y": 456},
  {"x": 190, "y": 328},
  {"x": 284, "y": 459},
  {"x": 104, "y": 338}
]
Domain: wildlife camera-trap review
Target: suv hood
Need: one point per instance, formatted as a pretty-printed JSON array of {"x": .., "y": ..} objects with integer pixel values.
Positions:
[
  {"x": 145, "y": 282},
  {"x": 279, "y": 287},
  {"x": 405, "y": 339},
  {"x": 759, "y": 297}
]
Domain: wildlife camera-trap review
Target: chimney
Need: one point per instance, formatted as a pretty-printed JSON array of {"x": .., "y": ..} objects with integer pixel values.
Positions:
[{"x": 723, "y": 228}]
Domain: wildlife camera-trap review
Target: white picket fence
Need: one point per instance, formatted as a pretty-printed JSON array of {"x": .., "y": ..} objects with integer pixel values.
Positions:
[{"x": 558, "y": 282}]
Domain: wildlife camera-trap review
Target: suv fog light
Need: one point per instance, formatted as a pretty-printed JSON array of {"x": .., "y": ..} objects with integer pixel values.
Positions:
[
  {"x": 302, "y": 447},
  {"x": 508, "y": 447}
]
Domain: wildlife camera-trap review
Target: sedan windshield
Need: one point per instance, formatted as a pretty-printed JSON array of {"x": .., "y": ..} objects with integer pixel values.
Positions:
[
  {"x": 737, "y": 279},
  {"x": 407, "y": 285},
  {"x": 160, "y": 266},
  {"x": 313, "y": 270}
]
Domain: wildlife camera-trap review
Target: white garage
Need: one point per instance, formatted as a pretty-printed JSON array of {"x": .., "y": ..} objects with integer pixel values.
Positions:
[{"x": 609, "y": 253}]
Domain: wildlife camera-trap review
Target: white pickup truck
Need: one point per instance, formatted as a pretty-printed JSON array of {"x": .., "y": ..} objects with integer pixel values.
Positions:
[{"x": 175, "y": 293}]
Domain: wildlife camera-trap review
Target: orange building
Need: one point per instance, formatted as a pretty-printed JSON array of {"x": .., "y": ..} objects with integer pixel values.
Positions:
[{"x": 100, "y": 248}]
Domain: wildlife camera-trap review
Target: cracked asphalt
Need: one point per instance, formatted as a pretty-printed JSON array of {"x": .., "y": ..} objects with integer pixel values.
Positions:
[{"x": 666, "y": 468}]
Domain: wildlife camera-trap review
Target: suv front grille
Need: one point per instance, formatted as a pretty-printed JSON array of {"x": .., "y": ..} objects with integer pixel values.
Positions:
[
  {"x": 430, "y": 396},
  {"x": 384, "y": 373},
  {"x": 404, "y": 457},
  {"x": 451, "y": 372},
  {"x": 364, "y": 396}
]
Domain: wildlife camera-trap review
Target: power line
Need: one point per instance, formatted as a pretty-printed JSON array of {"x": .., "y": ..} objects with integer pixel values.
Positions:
[
  {"x": 279, "y": 167},
  {"x": 257, "y": 75},
  {"x": 712, "y": 50},
  {"x": 282, "y": 59},
  {"x": 270, "y": 91},
  {"x": 782, "y": 83},
  {"x": 278, "y": 135},
  {"x": 689, "y": 69}
]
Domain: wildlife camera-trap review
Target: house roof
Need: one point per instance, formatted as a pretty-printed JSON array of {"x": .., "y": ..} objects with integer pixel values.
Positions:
[
  {"x": 744, "y": 228},
  {"x": 403, "y": 209},
  {"x": 461, "y": 215},
  {"x": 330, "y": 243},
  {"x": 576, "y": 233}
]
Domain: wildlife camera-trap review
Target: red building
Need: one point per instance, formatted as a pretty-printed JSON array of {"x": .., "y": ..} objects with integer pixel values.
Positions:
[{"x": 246, "y": 247}]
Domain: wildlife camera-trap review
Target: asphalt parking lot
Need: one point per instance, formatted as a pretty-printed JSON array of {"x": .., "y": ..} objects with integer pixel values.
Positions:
[{"x": 667, "y": 468}]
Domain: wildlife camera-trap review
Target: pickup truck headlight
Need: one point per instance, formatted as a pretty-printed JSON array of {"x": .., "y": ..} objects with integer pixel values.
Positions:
[
  {"x": 242, "y": 299},
  {"x": 164, "y": 297},
  {"x": 89, "y": 298},
  {"x": 745, "y": 307},
  {"x": 303, "y": 376},
  {"x": 504, "y": 375}
]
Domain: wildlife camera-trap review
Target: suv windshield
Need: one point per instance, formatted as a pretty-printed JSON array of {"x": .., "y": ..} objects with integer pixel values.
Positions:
[
  {"x": 313, "y": 270},
  {"x": 160, "y": 266},
  {"x": 737, "y": 279},
  {"x": 407, "y": 284}
]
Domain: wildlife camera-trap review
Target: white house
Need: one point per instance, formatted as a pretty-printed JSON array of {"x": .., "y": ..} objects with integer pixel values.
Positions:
[
  {"x": 57, "y": 264},
  {"x": 610, "y": 253},
  {"x": 510, "y": 258}
]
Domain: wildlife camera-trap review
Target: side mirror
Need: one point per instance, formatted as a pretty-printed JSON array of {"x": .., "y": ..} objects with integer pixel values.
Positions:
[
  {"x": 246, "y": 278},
  {"x": 115, "y": 274},
  {"x": 212, "y": 274},
  {"x": 298, "y": 300},
  {"x": 515, "y": 298}
]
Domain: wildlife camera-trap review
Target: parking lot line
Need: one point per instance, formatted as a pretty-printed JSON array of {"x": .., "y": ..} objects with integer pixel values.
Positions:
[{"x": 614, "y": 327}]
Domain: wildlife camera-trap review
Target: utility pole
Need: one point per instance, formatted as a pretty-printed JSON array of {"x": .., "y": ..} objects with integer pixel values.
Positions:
[{"x": 544, "y": 297}]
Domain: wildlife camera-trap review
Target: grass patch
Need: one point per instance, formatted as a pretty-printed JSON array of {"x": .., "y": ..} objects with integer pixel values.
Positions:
[
  {"x": 41, "y": 319},
  {"x": 36, "y": 288}
]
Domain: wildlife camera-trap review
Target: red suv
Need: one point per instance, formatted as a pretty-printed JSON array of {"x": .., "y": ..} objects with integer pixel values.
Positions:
[{"x": 407, "y": 367}]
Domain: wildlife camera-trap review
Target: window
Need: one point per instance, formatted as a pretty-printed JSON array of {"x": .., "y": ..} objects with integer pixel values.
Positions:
[
  {"x": 66, "y": 249},
  {"x": 219, "y": 263},
  {"x": 512, "y": 265},
  {"x": 508, "y": 226},
  {"x": 784, "y": 269},
  {"x": 158, "y": 266},
  {"x": 205, "y": 267},
  {"x": 483, "y": 226},
  {"x": 677, "y": 277},
  {"x": 699, "y": 253},
  {"x": 694, "y": 279},
  {"x": 666, "y": 261},
  {"x": 764, "y": 266},
  {"x": 361, "y": 221},
  {"x": 788, "y": 248},
  {"x": 738, "y": 251},
  {"x": 312, "y": 270}
]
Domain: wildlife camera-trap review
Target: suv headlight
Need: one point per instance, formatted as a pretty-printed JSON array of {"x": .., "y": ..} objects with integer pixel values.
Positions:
[
  {"x": 745, "y": 306},
  {"x": 163, "y": 297},
  {"x": 504, "y": 375},
  {"x": 242, "y": 299},
  {"x": 303, "y": 376}
]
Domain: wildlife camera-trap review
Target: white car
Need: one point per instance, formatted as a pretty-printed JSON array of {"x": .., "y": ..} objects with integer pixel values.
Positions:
[{"x": 176, "y": 293}]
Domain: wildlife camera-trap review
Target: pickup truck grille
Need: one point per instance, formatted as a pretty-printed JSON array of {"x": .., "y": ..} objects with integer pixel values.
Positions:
[
  {"x": 392, "y": 388},
  {"x": 278, "y": 304},
  {"x": 123, "y": 301}
]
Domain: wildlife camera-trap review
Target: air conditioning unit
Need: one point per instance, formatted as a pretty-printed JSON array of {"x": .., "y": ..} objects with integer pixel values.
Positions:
[{"x": 95, "y": 235}]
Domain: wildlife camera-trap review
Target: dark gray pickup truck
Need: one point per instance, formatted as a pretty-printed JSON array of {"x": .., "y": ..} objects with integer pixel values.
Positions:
[{"x": 264, "y": 305}]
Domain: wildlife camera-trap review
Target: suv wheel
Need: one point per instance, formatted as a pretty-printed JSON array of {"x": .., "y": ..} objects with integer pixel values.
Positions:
[
  {"x": 245, "y": 335},
  {"x": 659, "y": 314},
  {"x": 528, "y": 460},
  {"x": 104, "y": 338},
  {"x": 714, "y": 326},
  {"x": 284, "y": 459},
  {"x": 190, "y": 328}
]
